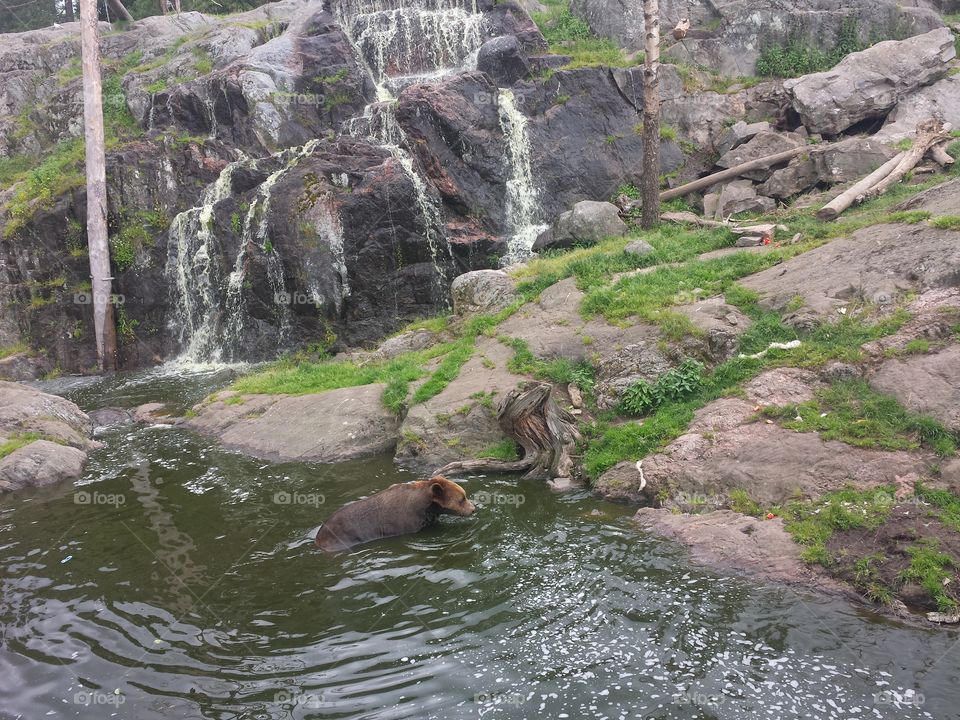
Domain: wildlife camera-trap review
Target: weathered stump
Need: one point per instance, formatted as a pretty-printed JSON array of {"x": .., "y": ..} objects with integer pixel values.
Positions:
[{"x": 547, "y": 433}]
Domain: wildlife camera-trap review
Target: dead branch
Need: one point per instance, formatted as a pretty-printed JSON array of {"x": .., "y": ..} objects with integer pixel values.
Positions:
[
  {"x": 929, "y": 133},
  {"x": 731, "y": 173},
  {"x": 844, "y": 200},
  {"x": 547, "y": 433}
]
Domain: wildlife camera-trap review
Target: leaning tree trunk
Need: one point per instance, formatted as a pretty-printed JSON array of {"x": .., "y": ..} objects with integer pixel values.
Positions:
[
  {"x": 547, "y": 433},
  {"x": 650, "y": 182}
]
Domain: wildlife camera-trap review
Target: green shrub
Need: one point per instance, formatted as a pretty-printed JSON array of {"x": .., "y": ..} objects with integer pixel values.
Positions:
[{"x": 676, "y": 384}]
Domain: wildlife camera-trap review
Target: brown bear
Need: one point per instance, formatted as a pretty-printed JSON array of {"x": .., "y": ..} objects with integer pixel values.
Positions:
[{"x": 400, "y": 509}]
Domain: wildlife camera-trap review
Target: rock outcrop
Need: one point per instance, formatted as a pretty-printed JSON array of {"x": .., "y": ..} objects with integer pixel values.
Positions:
[
  {"x": 339, "y": 425},
  {"x": 49, "y": 438},
  {"x": 729, "y": 35},
  {"x": 869, "y": 84}
]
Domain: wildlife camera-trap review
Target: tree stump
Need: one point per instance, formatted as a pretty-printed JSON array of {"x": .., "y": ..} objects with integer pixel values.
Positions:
[{"x": 547, "y": 433}]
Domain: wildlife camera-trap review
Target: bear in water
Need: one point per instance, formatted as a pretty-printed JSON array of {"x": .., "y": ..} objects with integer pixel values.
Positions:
[{"x": 400, "y": 509}]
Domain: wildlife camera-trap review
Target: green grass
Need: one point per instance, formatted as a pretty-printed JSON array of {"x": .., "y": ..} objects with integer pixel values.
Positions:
[
  {"x": 947, "y": 222},
  {"x": 798, "y": 57},
  {"x": 506, "y": 450},
  {"x": 566, "y": 34},
  {"x": 932, "y": 570},
  {"x": 909, "y": 217},
  {"x": 853, "y": 413},
  {"x": 813, "y": 523},
  {"x": 561, "y": 371},
  {"x": 16, "y": 442},
  {"x": 947, "y": 504},
  {"x": 60, "y": 171},
  {"x": 14, "y": 349}
]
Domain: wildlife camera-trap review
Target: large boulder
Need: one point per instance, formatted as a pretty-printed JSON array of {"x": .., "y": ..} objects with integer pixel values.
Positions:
[
  {"x": 588, "y": 222},
  {"x": 942, "y": 100},
  {"x": 482, "y": 291},
  {"x": 869, "y": 84},
  {"x": 40, "y": 463},
  {"x": 503, "y": 60},
  {"x": 339, "y": 425},
  {"x": 850, "y": 160},
  {"x": 763, "y": 144},
  {"x": 800, "y": 175},
  {"x": 927, "y": 384},
  {"x": 736, "y": 197},
  {"x": 729, "y": 35},
  {"x": 53, "y": 433}
]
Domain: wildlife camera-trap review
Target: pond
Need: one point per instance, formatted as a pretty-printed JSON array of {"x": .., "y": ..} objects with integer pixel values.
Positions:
[{"x": 179, "y": 581}]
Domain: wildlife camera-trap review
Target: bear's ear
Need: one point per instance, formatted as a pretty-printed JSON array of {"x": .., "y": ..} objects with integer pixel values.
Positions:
[{"x": 436, "y": 488}]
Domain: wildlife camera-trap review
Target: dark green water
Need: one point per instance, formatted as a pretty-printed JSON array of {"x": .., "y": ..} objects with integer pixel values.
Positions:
[{"x": 179, "y": 581}]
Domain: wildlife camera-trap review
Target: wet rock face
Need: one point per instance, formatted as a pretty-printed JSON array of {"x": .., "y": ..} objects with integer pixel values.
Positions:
[{"x": 728, "y": 35}]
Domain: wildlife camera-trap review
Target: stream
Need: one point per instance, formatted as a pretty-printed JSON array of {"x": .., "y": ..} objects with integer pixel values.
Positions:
[{"x": 178, "y": 580}]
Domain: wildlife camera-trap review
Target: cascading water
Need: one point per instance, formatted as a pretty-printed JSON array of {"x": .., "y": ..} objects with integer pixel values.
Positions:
[
  {"x": 522, "y": 209},
  {"x": 397, "y": 40},
  {"x": 398, "y": 43},
  {"x": 209, "y": 310}
]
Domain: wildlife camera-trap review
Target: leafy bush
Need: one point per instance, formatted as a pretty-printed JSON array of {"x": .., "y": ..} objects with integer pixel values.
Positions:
[
  {"x": 677, "y": 384},
  {"x": 798, "y": 58}
]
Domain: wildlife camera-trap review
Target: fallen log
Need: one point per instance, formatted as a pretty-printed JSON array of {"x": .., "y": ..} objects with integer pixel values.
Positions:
[
  {"x": 731, "y": 173},
  {"x": 939, "y": 154},
  {"x": 833, "y": 209},
  {"x": 690, "y": 218},
  {"x": 929, "y": 134},
  {"x": 547, "y": 433}
]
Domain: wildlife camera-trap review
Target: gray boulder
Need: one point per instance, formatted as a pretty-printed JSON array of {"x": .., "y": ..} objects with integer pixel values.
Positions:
[
  {"x": 850, "y": 160},
  {"x": 942, "y": 99},
  {"x": 737, "y": 197},
  {"x": 588, "y": 222},
  {"x": 640, "y": 248},
  {"x": 40, "y": 463},
  {"x": 739, "y": 133},
  {"x": 927, "y": 384},
  {"x": 336, "y": 426},
  {"x": 869, "y": 84},
  {"x": 800, "y": 175},
  {"x": 762, "y": 145},
  {"x": 729, "y": 35},
  {"x": 503, "y": 60},
  {"x": 482, "y": 291}
]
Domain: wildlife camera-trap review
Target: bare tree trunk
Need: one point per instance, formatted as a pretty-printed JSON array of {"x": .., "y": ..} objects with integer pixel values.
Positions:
[
  {"x": 99, "y": 249},
  {"x": 68, "y": 11},
  {"x": 117, "y": 8},
  {"x": 833, "y": 209},
  {"x": 650, "y": 181},
  {"x": 547, "y": 433},
  {"x": 731, "y": 173},
  {"x": 929, "y": 134}
]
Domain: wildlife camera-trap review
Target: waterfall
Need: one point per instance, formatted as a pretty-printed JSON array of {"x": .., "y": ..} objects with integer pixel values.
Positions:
[
  {"x": 209, "y": 310},
  {"x": 522, "y": 210},
  {"x": 395, "y": 39}
]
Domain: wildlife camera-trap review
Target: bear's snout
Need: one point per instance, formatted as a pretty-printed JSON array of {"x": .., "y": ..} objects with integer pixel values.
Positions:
[{"x": 468, "y": 508}]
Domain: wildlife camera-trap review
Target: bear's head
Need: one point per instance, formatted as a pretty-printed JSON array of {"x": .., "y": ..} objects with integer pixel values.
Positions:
[{"x": 449, "y": 497}]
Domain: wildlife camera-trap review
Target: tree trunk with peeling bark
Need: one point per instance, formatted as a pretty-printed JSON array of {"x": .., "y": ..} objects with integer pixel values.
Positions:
[
  {"x": 547, "y": 433},
  {"x": 650, "y": 182},
  {"x": 99, "y": 250}
]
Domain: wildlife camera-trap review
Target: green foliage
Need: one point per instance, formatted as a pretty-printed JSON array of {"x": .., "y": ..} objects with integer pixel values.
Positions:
[
  {"x": 668, "y": 132},
  {"x": 506, "y": 450},
  {"x": 933, "y": 570},
  {"x": 909, "y": 217},
  {"x": 60, "y": 171},
  {"x": 628, "y": 189},
  {"x": 16, "y": 442},
  {"x": 449, "y": 369},
  {"x": 567, "y": 34},
  {"x": 799, "y": 58},
  {"x": 202, "y": 62},
  {"x": 14, "y": 349},
  {"x": 118, "y": 122},
  {"x": 854, "y": 413},
  {"x": 947, "y": 222},
  {"x": 126, "y": 326},
  {"x": 741, "y": 502},
  {"x": 676, "y": 384},
  {"x": 946, "y": 502}
]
